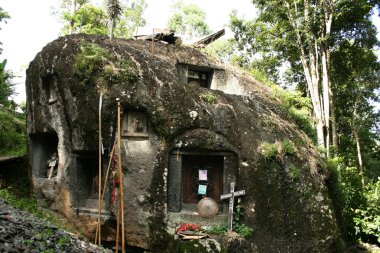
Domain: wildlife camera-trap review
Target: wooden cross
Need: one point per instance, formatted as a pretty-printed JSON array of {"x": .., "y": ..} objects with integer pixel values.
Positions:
[{"x": 231, "y": 196}]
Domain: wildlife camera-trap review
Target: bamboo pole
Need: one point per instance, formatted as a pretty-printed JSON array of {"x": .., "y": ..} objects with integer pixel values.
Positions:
[
  {"x": 100, "y": 168},
  {"x": 104, "y": 187},
  {"x": 120, "y": 177},
  {"x": 117, "y": 227}
]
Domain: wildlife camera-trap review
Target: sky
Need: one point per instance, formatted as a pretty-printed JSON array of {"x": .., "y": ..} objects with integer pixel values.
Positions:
[{"x": 32, "y": 26}]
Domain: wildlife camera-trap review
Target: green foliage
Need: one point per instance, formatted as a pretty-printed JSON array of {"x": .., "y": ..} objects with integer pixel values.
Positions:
[
  {"x": 288, "y": 147},
  {"x": 221, "y": 49},
  {"x": 12, "y": 133},
  {"x": 85, "y": 17},
  {"x": 24, "y": 203},
  {"x": 216, "y": 230},
  {"x": 3, "y": 17},
  {"x": 208, "y": 97},
  {"x": 294, "y": 105},
  {"x": 278, "y": 149},
  {"x": 358, "y": 209},
  {"x": 131, "y": 19},
  {"x": 268, "y": 150},
  {"x": 294, "y": 171},
  {"x": 63, "y": 241},
  {"x": 6, "y": 86},
  {"x": 239, "y": 227},
  {"x": 367, "y": 218},
  {"x": 88, "y": 19},
  {"x": 188, "y": 20},
  {"x": 18, "y": 195},
  {"x": 96, "y": 62},
  {"x": 114, "y": 10},
  {"x": 90, "y": 61}
]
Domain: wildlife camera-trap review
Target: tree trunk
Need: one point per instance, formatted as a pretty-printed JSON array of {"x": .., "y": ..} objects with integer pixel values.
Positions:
[
  {"x": 310, "y": 68},
  {"x": 326, "y": 99},
  {"x": 111, "y": 28},
  {"x": 325, "y": 50},
  {"x": 333, "y": 125},
  {"x": 360, "y": 160}
]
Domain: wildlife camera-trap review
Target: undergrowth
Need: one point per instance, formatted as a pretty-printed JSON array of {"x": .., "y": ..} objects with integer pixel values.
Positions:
[
  {"x": 293, "y": 105},
  {"x": 18, "y": 195},
  {"x": 96, "y": 64},
  {"x": 357, "y": 208},
  {"x": 12, "y": 133}
]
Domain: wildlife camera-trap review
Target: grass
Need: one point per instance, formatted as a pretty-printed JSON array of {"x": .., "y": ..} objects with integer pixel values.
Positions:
[
  {"x": 294, "y": 106},
  {"x": 208, "y": 97},
  {"x": 18, "y": 196}
]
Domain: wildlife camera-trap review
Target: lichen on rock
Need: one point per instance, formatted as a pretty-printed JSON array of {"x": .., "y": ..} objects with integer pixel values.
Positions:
[{"x": 166, "y": 120}]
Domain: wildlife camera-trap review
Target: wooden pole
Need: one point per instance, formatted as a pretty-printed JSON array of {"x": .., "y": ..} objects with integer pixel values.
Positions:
[
  {"x": 100, "y": 168},
  {"x": 120, "y": 177},
  {"x": 117, "y": 226},
  {"x": 104, "y": 188}
]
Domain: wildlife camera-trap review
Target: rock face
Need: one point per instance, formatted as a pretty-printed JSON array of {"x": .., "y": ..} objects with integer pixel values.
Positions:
[
  {"x": 182, "y": 113},
  {"x": 22, "y": 232}
]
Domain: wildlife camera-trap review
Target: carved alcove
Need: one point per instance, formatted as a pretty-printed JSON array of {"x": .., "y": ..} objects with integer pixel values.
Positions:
[
  {"x": 44, "y": 154},
  {"x": 195, "y": 76},
  {"x": 86, "y": 179},
  {"x": 49, "y": 86},
  {"x": 187, "y": 172},
  {"x": 135, "y": 124}
]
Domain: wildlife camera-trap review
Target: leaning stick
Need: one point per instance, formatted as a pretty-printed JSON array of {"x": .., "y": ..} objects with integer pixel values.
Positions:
[
  {"x": 120, "y": 177},
  {"x": 100, "y": 167},
  {"x": 104, "y": 188}
]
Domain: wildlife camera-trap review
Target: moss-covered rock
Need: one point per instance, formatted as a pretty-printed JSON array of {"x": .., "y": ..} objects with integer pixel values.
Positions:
[{"x": 286, "y": 203}]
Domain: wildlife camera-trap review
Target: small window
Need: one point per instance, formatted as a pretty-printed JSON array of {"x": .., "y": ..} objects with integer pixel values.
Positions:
[
  {"x": 135, "y": 124},
  {"x": 198, "y": 78},
  {"x": 195, "y": 76}
]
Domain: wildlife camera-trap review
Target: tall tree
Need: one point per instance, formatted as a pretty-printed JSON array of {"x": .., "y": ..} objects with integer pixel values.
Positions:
[
  {"x": 131, "y": 19},
  {"x": 81, "y": 16},
  {"x": 6, "y": 87},
  {"x": 114, "y": 10},
  {"x": 188, "y": 20},
  {"x": 3, "y": 18},
  {"x": 303, "y": 34},
  {"x": 87, "y": 18}
]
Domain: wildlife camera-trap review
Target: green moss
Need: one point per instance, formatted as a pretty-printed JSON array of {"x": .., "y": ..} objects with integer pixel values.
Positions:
[
  {"x": 268, "y": 150},
  {"x": 208, "y": 97},
  {"x": 63, "y": 241},
  {"x": 97, "y": 65},
  {"x": 294, "y": 105},
  {"x": 294, "y": 171},
  {"x": 90, "y": 60},
  {"x": 278, "y": 149},
  {"x": 288, "y": 147}
]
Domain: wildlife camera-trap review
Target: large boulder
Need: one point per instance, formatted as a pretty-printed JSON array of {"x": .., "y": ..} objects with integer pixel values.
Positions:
[{"x": 182, "y": 112}]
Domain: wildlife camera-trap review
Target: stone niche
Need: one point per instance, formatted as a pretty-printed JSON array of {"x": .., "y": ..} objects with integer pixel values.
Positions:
[
  {"x": 44, "y": 154},
  {"x": 49, "y": 87},
  {"x": 195, "y": 174},
  {"x": 200, "y": 76},
  {"x": 85, "y": 187},
  {"x": 134, "y": 124}
]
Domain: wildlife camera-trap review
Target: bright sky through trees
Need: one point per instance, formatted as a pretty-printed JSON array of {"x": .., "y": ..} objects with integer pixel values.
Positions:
[{"x": 32, "y": 26}]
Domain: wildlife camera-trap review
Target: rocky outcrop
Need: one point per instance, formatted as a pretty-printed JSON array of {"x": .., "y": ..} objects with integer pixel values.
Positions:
[
  {"x": 168, "y": 120},
  {"x": 22, "y": 232}
]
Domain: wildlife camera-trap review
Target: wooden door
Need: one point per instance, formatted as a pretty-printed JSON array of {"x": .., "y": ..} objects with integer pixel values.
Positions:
[{"x": 191, "y": 164}]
